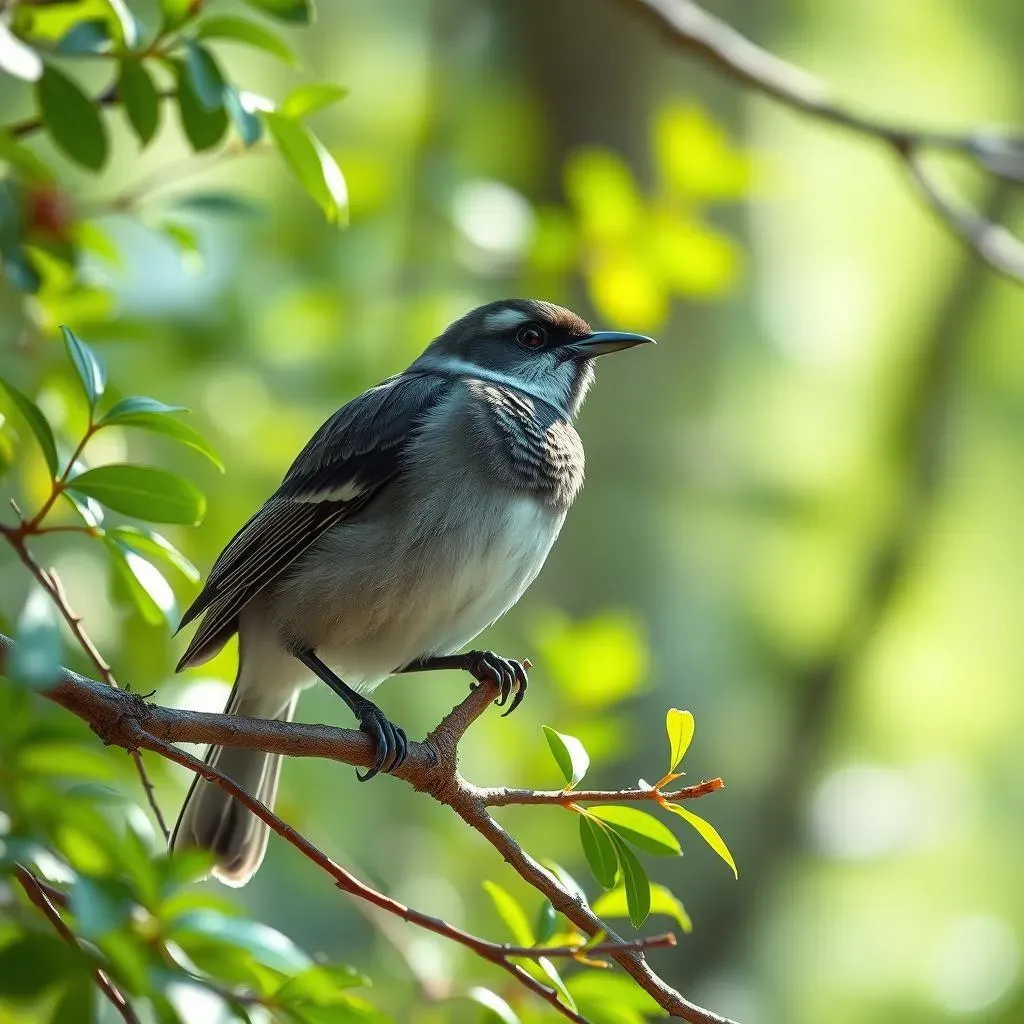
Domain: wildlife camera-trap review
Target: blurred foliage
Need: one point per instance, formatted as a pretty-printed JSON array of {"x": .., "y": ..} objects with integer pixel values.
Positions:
[{"x": 738, "y": 481}]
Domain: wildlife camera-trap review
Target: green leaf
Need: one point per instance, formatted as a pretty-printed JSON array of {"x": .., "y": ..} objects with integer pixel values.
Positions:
[
  {"x": 641, "y": 829},
  {"x": 89, "y": 36},
  {"x": 708, "y": 833},
  {"x": 206, "y": 77},
  {"x": 679, "y": 726},
  {"x": 123, "y": 25},
  {"x": 96, "y": 911},
  {"x": 269, "y": 946},
  {"x": 144, "y": 492},
  {"x": 142, "y": 583},
  {"x": 635, "y": 883},
  {"x": 154, "y": 546},
  {"x": 571, "y": 756},
  {"x": 307, "y": 99},
  {"x": 175, "y": 12},
  {"x": 61, "y": 758},
  {"x": 225, "y": 204},
  {"x": 35, "y": 962},
  {"x": 72, "y": 119},
  {"x": 547, "y": 920},
  {"x": 140, "y": 99},
  {"x": 247, "y": 124},
  {"x": 241, "y": 30},
  {"x": 595, "y": 990},
  {"x": 89, "y": 510},
  {"x": 494, "y": 1003},
  {"x": 599, "y": 850},
  {"x": 36, "y": 657},
  {"x": 89, "y": 369},
  {"x": 546, "y": 973},
  {"x": 77, "y": 1005},
  {"x": 149, "y": 414},
  {"x": 185, "y": 241},
  {"x": 202, "y": 127},
  {"x": 25, "y": 160},
  {"x": 614, "y": 904},
  {"x": 37, "y": 422},
  {"x": 322, "y": 984},
  {"x": 314, "y": 168},
  {"x": 511, "y": 913},
  {"x": 299, "y": 11},
  {"x": 90, "y": 236},
  {"x": 566, "y": 881}
]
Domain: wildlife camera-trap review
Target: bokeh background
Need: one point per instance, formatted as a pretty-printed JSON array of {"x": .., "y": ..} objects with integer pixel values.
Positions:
[{"x": 802, "y": 514}]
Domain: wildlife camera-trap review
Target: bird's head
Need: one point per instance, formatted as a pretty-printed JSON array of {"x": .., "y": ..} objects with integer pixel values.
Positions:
[{"x": 541, "y": 348}]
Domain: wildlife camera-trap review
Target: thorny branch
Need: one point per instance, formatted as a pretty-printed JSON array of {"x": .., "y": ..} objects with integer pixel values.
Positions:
[
  {"x": 122, "y": 718},
  {"x": 687, "y": 25}
]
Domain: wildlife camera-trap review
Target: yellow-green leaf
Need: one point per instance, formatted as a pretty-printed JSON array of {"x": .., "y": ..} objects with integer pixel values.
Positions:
[
  {"x": 570, "y": 754},
  {"x": 708, "y": 833},
  {"x": 640, "y": 828},
  {"x": 679, "y": 726},
  {"x": 511, "y": 913},
  {"x": 613, "y": 904}
]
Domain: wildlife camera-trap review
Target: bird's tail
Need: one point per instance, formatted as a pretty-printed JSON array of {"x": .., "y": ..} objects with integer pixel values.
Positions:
[{"x": 212, "y": 819}]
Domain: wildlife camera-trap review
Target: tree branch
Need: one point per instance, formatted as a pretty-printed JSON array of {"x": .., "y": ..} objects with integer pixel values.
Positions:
[
  {"x": 40, "y": 896},
  {"x": 503, "y": 797},
  {"x": 687, "y": 25},
  {"x": 51, "y": 583},
  {"x": 123, "y": 718}
]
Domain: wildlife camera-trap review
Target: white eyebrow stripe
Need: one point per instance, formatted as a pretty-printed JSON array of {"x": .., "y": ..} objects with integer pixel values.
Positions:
[{"x": 505, "y": 319}]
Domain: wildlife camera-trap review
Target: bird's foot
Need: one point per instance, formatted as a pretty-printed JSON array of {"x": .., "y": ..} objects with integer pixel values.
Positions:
[
  {"x": 389, "y": 740},
  {"x": 508, "y": 674}
]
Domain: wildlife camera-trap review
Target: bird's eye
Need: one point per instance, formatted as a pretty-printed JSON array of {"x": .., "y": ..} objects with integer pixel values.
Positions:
[{"x": 530, "y": 336}]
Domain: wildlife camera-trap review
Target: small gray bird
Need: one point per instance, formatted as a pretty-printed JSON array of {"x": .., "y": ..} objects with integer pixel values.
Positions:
[{"x": 416, "y": 516}]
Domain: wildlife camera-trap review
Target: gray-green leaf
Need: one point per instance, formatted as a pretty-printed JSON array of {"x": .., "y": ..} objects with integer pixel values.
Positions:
[
  {"x": 36, "y": 657},
  {"x": 145, "y": 492},
  {"x": 72, "y": 119},
  {"x": 205, "y": 75},
  {"x": 37, "y": 422},
  {"x": 88, "y": 367}
]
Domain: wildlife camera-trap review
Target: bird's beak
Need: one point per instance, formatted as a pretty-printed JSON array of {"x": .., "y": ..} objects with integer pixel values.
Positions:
[{"x": 602, "y": 342}]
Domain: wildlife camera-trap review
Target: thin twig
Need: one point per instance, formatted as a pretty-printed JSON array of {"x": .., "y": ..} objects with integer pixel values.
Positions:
[
  {"x": 51, "y": 583},
  {"x": 502, "y": 797},
  {"x": 686, "y": 24},
  {"x": 41, "y": 898}
]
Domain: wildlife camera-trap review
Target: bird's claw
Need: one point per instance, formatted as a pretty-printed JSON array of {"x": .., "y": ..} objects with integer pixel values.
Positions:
[
  {"x": 389, "y": 741},
  {"x": 508, "y": 674}
]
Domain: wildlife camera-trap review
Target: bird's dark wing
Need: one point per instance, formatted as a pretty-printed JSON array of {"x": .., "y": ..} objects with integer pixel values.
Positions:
[{"x": 344, "y": 465}]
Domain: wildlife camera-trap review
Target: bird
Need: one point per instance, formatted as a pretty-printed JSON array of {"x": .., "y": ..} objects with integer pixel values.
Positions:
[{"x": 416, "y": 516}]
